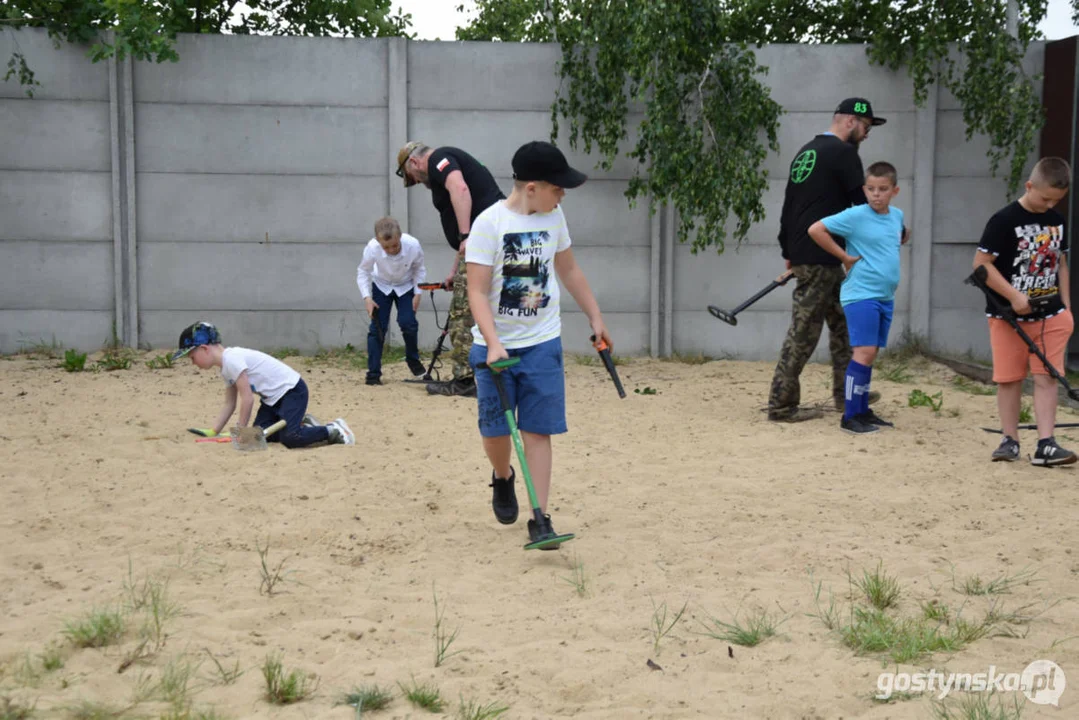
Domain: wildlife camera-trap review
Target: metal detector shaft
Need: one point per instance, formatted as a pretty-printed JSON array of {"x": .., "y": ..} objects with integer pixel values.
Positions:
[
  {"x": 998, "y": 431},
  {"x": 978, "y": 278},
  {"x": 515, "y": 434},
  {"x": 729, "y": 316}
]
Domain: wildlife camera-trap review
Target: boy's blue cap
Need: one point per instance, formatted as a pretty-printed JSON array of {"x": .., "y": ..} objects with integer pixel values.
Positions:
[{"x": 201, "y": 333}]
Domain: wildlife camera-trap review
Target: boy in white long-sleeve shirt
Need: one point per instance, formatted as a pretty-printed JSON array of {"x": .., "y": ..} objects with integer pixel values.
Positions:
[{"x": 389, "y": 274}]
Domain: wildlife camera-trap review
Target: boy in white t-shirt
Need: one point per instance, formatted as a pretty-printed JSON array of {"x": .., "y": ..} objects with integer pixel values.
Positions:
[
  {"x": 248, "y": 373},
  {"x": 514, "y": 251},
  {"x": 390, "y": 274}
]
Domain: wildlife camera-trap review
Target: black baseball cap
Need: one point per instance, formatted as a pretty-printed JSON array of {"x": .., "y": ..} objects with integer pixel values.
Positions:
[
  {"x": 193, "y": 336},
  {"x": 540, "y": 161},
  {"x": 859, "y": 107}
]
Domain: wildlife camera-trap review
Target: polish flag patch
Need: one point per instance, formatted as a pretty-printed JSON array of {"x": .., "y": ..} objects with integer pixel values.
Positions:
[{"x": 442, "y": 164}]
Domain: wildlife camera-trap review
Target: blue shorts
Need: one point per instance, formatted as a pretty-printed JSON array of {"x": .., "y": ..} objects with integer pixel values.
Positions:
[
  {"x": 536, "y": 387},
  {"x": 868, "y": 322}
]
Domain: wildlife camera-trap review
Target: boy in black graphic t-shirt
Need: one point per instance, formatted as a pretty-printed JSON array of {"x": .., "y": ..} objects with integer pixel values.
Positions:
[{"x": 1024, "y": 249}]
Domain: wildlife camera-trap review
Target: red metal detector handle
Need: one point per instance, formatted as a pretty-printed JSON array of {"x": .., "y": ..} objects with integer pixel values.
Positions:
[
  {"x": 605, "y": 355},
  {"x": 433, "y": 286}
]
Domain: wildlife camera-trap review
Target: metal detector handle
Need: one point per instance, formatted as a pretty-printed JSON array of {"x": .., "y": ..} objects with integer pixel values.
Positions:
[
  {"x": 784, "y": 278},
  {"x": 496, "y": 368},
  {"x": 778, "y": 282},
  {"x": 433, "y": 286},
  {"x": 978, "y": 279},
  {"x": 608, "y": 362}
]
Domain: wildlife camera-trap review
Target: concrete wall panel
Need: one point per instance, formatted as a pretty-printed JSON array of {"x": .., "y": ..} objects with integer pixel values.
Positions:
[
  {"x": 57, "y": 276},
  {"x": 55, "y": 206},
  {"x": 55, "y": 135}
]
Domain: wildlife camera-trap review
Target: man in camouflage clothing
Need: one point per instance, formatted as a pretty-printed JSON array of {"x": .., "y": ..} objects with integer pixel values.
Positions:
[
  {"x": 461, "y": 188},
  {"x": 826, "y": 177}
]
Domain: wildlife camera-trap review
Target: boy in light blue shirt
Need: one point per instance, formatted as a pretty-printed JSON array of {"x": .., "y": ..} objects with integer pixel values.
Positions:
[{"x": 874, "y": 233}]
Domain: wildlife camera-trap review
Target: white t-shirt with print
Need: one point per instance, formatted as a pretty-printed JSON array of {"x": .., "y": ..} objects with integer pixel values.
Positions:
[
  {"x": 270, "y": 378},
  {"x": 520, "y": 251}
]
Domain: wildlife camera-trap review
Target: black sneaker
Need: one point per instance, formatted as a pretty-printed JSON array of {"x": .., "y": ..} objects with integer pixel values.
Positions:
[
  {"x": 871, "y": 418},
  {"x": 416, "y": 367},
  {"x": 373, "y": 380},
  {"x": 1050, "y": 454},
  {"x": 855, "y": 426},
  {"x": 1008, "y": 450},
  {"x": 460, "y": 387},
  {"x": 503, "y": 499},
  {"x": 535, "y": 534}
]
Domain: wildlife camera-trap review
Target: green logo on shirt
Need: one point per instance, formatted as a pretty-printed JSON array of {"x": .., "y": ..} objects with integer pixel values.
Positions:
[{"x": 803, "y": 165}]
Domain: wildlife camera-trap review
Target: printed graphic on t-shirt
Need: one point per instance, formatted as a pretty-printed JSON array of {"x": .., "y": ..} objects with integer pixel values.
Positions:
[
  {"x": 525, "y": 274},
  {"x": 803, "y": 165},
  {"x": 1037, "y": 259}
]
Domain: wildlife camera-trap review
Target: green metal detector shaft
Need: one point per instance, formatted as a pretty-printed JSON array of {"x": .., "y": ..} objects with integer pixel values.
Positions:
[{"x": 537, "y": 513}]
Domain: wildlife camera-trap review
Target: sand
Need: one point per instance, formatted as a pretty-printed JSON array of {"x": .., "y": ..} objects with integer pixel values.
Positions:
[{"x": 685, "y": 497}]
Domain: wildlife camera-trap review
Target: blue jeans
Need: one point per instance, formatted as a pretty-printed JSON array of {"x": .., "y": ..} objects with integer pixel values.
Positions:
[
  {"x": 291, "y": 408},
  {"x": 406, "y": 320}
]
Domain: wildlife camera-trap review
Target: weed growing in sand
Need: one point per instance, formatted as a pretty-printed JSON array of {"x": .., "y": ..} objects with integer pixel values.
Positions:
[
  {"x": 936, "y": 611},
  {"x": 442, "y": 639},
  {"x": 97, "y": 629},
  {"x": 188, "y": 713},
  {"x": 424, "y": 696},
  {"x": 898, "y": 372},
  {"x": 918, "y": 398},
  {"x": 271, "y": 576},
  {"x": 689, "y": 358},
  {"x": 283, "y": 352},
  {"x": 176, "y": 679},
  {"x": 1026, "y": 413},
  {"x": 974, "y": 585},
  {"x": 879, "y": 588},
  {"x": 646, "y": 391},
  {"x": 977, "y": 706},
  {"x": 368, "y": 697},
  {"x": 965, "y": 384},
  {"x": 74, "y": 361},
  {"x": 52, "y": 659},
  {"x": 161, "y": 362},
  {"x": 755, "y": 629},
  {"x": 579, "y": 579},
  {"x": 116, "y": 358},
  {"x": 40, "y": 348},
  {"x": 286, "y": 688},
  {"x": 663, "y": 622},
  {"x": 86, "y": 710},
  {"x": 472, "y": 710},
  {"x": 14, "y": 710},
  {"x": 828, "y": 615},
  {"x": 224, "y": 675}
]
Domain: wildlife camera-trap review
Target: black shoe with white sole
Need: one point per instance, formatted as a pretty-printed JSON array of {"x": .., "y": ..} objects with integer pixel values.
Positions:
[
  {"x": 1008, "y": 451},
  {"x": 1049, "y": 454},
  {"x": 855, "y": 426},
  {"x": 871, "y": 418}
]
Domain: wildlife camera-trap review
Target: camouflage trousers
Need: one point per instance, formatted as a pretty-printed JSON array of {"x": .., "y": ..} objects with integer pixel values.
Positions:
[
  {"x": 816, "y": 301},
  {"x": 461, "y": 323}
]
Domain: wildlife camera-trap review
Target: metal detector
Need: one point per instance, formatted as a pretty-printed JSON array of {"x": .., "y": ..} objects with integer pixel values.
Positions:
[
  {"x": 432, "y": 368},
  {"x": 728, "y": 316},
  {"x": 978, "y": 279}
]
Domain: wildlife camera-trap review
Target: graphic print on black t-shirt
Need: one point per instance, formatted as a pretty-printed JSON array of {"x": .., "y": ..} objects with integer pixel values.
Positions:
[
  {"x": 525, "y": 274},
  {"x": 1034, "y": 269}
]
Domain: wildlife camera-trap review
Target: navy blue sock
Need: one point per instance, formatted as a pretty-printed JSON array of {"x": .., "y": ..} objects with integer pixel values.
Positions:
[{"x": 857, "y": 386}]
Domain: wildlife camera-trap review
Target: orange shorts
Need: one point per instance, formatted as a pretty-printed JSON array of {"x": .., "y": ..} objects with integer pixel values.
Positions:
[{"x": 1012, "y": 356}]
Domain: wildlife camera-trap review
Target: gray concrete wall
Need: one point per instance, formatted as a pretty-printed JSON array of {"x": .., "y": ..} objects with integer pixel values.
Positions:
[{"x": 257, "y": 167}]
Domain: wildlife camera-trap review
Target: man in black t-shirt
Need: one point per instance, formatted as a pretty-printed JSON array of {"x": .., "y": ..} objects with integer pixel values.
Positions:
[
  {"x": 1025, "y": 253},
  {"x": 826, "y": 177},
  {"x": 461, "y": 188}
]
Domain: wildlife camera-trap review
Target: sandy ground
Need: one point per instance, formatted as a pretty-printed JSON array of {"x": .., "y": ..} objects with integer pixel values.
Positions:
[{"x": 688, "y": 496}]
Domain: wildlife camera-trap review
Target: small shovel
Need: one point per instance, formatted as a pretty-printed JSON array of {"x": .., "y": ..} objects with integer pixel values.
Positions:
[{"x": 248, "y": 439}]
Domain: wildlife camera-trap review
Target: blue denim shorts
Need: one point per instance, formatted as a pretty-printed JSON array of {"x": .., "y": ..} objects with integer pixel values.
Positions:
[
  {"x": 868, "y": 322},
  {"x": 536, "y": 387}
]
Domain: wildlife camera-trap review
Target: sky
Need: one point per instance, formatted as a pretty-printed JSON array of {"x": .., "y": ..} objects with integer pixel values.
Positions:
[{"x": 438, "y": 19}]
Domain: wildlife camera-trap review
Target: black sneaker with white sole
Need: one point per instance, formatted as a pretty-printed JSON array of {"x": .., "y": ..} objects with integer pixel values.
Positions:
[
  {"x": 503, "y": 498},
  {"x": 1049, "y": 454},
  {"x": 871, "y": 418},
  {"x": 1008, "y": 451},
  {"x": 416, "y": 367},
  {"x": 856, "y": 426}
]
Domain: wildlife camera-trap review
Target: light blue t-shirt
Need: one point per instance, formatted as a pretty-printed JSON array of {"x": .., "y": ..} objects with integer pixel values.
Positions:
[{"x": 875, "y": 238}]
